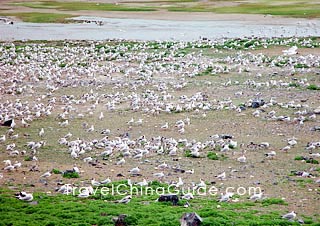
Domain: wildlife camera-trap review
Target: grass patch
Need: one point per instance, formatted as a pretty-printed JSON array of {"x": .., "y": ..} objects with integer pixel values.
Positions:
[
  {"x": 313, "y": 87},
  {"x": 69, "y": 210},
  {"x": 71, "y": 175},
  {"x": 273, "y": 201},
  {"x": 292, "y": 10},
  {"x": 41, "y": 17},
  {"x": 76, "y": 6},
  {"x": 212, "y": 155}
]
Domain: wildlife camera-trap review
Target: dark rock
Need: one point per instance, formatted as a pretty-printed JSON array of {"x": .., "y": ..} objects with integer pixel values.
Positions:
[
  {"x": 190, "y": 219},
  {"x": 226, "y": 136},
  {"x": 7, "y": 123},
  {"x": 169, "y": 198},
  {"x": 257, "y": 103},
  {"x": 120, "y": 220},
  {"x": 119, "y": 175}
]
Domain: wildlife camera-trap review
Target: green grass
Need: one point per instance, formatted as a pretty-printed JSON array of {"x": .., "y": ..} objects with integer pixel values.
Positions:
[
  {"x": 41, "y": 17},
  {"x": 212, "y": 155},
  {"x": 313, "y": 87},
  {"x": 75, "y": 6},
  {"x": 69, "y": 210},
  {"x": 293, "y": 10}
]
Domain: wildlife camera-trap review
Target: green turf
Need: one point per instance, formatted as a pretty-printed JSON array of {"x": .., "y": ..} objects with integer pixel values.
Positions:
[
  {"x": 75, "y": 6},
  {"x": 40, "y": 17},
  {"x": 70, "y": 210}
]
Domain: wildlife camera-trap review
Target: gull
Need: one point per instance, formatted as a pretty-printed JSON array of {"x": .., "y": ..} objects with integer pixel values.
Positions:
[
  {"x": 190, "y": 171},
  {"x": 188, "y": 196},
  {"x": 179, "y": 183},
  {"x": 226, "y": 197},
  {"x": 121, "y": 162},
  {"x": 286, "y": 148},
  {"x": 41, "y": 133},
  {"x": 143, "y": 183},
  {"x": 134, "y": 171},
  {"x": 24, "y": 196},
  {"x": 242, "y": 159},
  {"x": 7, "y": 162},
  {"x": 292, "y": 142},
  {"x": 125, "y": 199},
  {"x": 95, "y": 183},
  {"x": 65, "y": 189},
  {"x": 106, "y": 181},
  {"x": 291, "y": 51},
  {"x": 9, "y": 168},
  {"x": 256, "y": 197},
  {"x": 165, "y": 126},
  {"x": 101, "y": 116},
  {"x": 271, "y": 154},
  {"x": 64, "y": 123},
  {"x": 91, "y": 129},
  {"x": 290, "y": 216},
  {"x": 2, "y": 138},
  {"x": 131, "y": 121},
  {"x": 13, "y": 124},
  {"x": 88, "y": 159},
  {"x": 139, "y": 122},
  {"x": 17, "y": 165},
  {"x": 159, "y": 175},
  {"x": 84, "y": 193},
  {"x": 47, "y": 174},
  {"x": 221, "y": 176},
  {"x": 24, "y": 123},
  {"x": 202, "y": 184},
  {"x": 163, "y": 165}
]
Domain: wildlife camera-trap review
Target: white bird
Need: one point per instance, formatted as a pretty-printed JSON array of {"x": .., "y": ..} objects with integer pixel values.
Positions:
[
  {"x": 95, "y": 183},
  {"x": 159, "y": 175},
  {"x": 242, "y": 159},
  {"x": 135, "y": 171},
  {"x": 121, "y": 162},
  {"x": 290, "y": 216},
  {"x": 64, "y": 123},
  {"x": 47, "y": 174},
  {"x": 163, "y": 165},
  {"x": 256, "y": 197},
  {"x": 143, "y": 183},
  {"x": 25, "y": 196},
  {"x": 291, "y": 51},
  {"x": 84, "y": 194},
  {"x": 106, "y": 181},
  {"x": 7, "y": 162},
  {"x": 226, "y": 197},
  {"x": 179, "y": 183},
  {"x": 125, "y": 199},
  {"x": 221, "y": 176},
  {"x": 2, "y": 138},
  {"x": 271, "y": 154},
  {"x": 165, "y": 126},
  {"x": 41, "y": 133},
  {"x": 101, "y": 116},
  {"x": 190, "y": 171},
  {"x": 188, "y": 196}
]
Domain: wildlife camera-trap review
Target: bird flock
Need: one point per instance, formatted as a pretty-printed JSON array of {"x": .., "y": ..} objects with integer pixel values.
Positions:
[{"x": 154, "y": 111}]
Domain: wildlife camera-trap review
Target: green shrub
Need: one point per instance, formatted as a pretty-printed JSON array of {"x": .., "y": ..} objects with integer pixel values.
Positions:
[
  {"x": 212, "y": 155},
  {"x": 313, "y": 87},
  {"x": 71, "y": 175}
]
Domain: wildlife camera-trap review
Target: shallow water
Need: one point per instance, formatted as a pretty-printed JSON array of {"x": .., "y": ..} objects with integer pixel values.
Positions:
[{"x": 141, "y": 29}]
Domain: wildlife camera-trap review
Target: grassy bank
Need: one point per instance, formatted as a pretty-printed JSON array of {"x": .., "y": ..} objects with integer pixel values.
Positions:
[
  {"x": 35, "y": 17},
  {"x": 70, "y": 210}
]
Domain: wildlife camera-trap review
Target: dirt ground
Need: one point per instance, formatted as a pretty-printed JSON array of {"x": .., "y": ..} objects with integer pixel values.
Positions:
[{"x": 274, "y": 176}]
